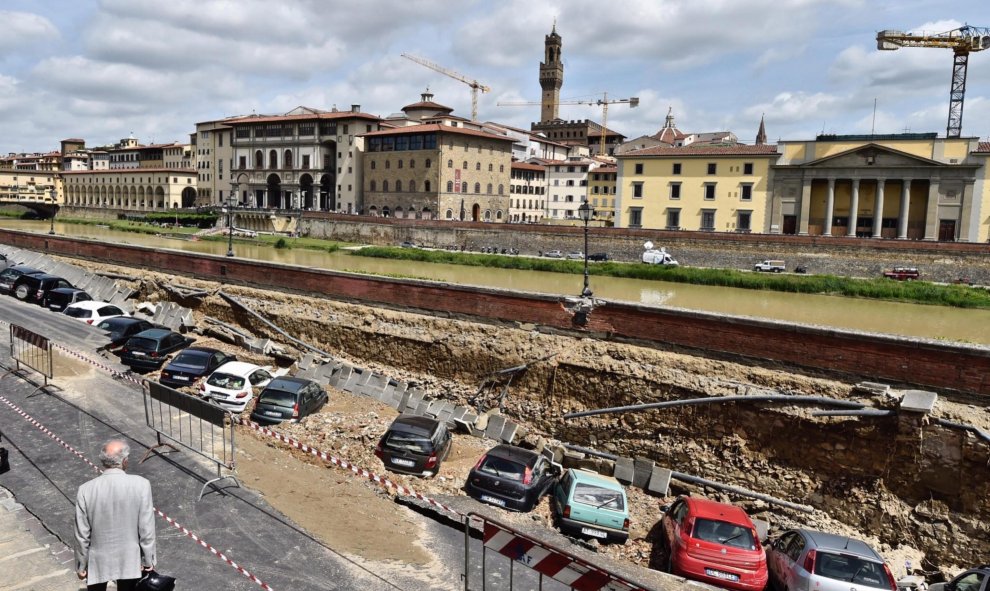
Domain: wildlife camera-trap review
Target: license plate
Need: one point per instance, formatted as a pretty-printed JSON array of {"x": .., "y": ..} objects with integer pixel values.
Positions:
[
  {"x": 272, "y": 413},
  {"x": 181, "y": 378},
  {"x": 493, "y": 500},
  {"x": 595, "y": 533},
  {"x": 403, "y": 462},
  {"x": 53, "y": 306},
  {"x": 721, "y": 575},
  {"x": 137, "y": 353}
]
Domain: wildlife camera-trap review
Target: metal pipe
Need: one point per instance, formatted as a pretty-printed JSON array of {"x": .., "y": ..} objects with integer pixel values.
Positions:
[
  {"x": 979, "y": 432},
  {"x": 866, "y": 412},
  {"x": 301, "y": 344},
  {"x": 703, "y": 481},
  {"x": 785, "y": 398}
]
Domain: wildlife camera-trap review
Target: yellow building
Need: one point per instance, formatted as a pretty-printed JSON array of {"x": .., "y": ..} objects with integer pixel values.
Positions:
[
  {"x": 601, "y": 192},
  {"x": 711, "y": 188},
  {"x": 901, "y": 186},
  {"x": 138, "y": 189}
]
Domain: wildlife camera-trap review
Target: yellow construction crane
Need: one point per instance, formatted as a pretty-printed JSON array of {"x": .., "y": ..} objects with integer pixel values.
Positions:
[
  {"x": 604, "y": 102},
  {"x": 961, "y": 41},
  {"x": 474, "y": 84}
]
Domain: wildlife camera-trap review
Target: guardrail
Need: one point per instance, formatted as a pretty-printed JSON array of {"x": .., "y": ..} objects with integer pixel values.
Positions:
[
  {"x": 33, "y": 351},
  {"x": 200, "y": 427}
]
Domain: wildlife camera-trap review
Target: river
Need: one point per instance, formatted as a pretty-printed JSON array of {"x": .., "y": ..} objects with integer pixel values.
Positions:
[{"x": 934, "y": 322}]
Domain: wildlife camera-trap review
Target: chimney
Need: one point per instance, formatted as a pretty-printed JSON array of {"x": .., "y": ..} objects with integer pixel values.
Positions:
[{"x": 355, "y": 108}]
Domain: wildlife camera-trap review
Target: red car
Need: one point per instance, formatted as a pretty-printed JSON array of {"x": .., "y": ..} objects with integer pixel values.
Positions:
[
  {"x": 902, "y": 274},
  {"x": 714, "y": 543}
]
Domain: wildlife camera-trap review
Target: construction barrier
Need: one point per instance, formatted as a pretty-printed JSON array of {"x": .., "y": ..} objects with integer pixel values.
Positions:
[
  {"x": 32, "y": 350},
  {"x": 545, "y": 559},
  {"x": 195, "y": 424}
]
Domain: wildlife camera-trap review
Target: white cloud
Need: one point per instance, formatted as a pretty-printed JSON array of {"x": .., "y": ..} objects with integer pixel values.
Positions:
[{"x": 22, "y": 29}]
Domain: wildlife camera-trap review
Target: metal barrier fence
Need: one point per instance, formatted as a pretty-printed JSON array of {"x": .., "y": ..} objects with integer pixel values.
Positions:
[
  {"x": 196, "y": 425},
  {"x": 32, "y": 350},
  {"x": 563, "y": 568}
]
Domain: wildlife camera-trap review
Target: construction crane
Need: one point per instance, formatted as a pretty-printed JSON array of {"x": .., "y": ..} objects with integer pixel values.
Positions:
[
  {"x": 474, "y": 84},
  {"x": 603, "y": 102},
  {"x": 961, "y": 41}
]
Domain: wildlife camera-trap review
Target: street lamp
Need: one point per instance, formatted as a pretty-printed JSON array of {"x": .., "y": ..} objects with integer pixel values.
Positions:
[
  {"x": 53, "y": 195},
  {"x": 585, "y": 212}
]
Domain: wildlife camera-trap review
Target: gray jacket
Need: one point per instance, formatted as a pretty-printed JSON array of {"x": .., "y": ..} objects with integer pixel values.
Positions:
[{"x": 115, "y": 527}]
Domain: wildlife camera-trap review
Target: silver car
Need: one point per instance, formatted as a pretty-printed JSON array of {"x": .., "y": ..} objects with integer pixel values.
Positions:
[
  {"x": 804, "y": 559},
  {"x": 974, "y": 579}
]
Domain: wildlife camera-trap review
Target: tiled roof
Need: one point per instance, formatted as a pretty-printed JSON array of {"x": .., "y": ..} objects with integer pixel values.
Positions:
[
  {"x": 706, "y": 150},
  {"x": 526, "y": 166},
  {"x": 431, "y": 127},
  {"x": 74, "y": 140},
  {"x": 984, "y": 147},
  {"x": 304, "y": 117},
  {"x": 566, "y": 163},
  {"x": 427, "y": 105},
  {"x": 606, "y": 169}
]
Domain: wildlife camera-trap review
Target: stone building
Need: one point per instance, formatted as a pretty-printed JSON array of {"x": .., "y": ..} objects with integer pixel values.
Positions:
[
  {"x": 213, "y": 158},
  {"x": 527, "y": 190},
  {"x": 139, "y": 189},
  {"x": 567, "y": 186},
  {"x": 601, "y": 192},
  {"x": 435, "y": 171}
]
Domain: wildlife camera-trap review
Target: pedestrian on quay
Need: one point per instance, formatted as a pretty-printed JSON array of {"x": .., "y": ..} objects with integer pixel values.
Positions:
[{"x": 115, "y": 524}]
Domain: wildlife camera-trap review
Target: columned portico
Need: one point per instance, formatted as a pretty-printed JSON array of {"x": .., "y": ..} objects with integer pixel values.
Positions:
[
  {"x": 902, "y": 213},
  {"x": 829, "y": 208},
  {"x": 878, "y": 209},
  {"x": 931, "y": 212},
  {"x": 853, "y": 209}
]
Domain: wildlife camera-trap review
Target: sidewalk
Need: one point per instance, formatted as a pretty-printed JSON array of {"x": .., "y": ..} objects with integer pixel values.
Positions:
[{"x": 31, "y": 558}]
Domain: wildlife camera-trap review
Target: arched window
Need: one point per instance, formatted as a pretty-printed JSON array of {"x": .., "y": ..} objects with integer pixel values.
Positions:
[
  {"x": 464, "y": 187},
  {"x": 490, "y": 167},
  {"x": 477, "y": 187},
  {"x": 500, "y": 189},
  {"x": 388, "y": 164},
  {"x": 373, "y": 186},
  {"x": 489, "y": 191},
  {"x": 426, "y": 186},
  {"x": 488, "y": 215},
  {"x": 373, "y": 165},
  {"x": 259, "y": 159},
  {"x": 498, "y": 215},
  {"x": 428, "y": 162},
  {"x": 501, "y": 168},
  {"x": 398, "y": 186},
  {"x": 477, "y": 166},
  {"x": 450, "y": 164},
  {"x": 287, "y": 159},
  {"x": 273, "y": 159},
  {"x": 384, "y": 186},
  {"x": 449, "y": 215},
  {"x": 412, "y": 163},
  {"x": 412, "y": 186},
  {"x": 465, "y": 165},
  {"x": 400, "y": 163},
  {"x": 450, "y": 186}
]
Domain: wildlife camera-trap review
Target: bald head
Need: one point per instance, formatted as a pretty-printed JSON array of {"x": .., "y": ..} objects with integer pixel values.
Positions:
[{"x": 114, "y": 454}]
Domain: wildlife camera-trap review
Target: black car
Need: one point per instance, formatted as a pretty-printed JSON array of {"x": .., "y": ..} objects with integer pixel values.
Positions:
[
  {"x": 35, "y": 286},
  {"x": 121, "y": 328},
  {"x": 599, "y": 256},
  {"x": 148, "y": 350},
  {"x": 288, "y": 399},
  {"x": 415, "y": 445},
  {"x": 9, "y": 275},
  {"x": 59, "y": 298},
  {"x": 511, "y": 477},
  {"x": 191, "y": 364}
]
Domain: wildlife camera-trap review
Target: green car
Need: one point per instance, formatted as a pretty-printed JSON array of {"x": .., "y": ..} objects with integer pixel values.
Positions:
[{"x": 590, "y": 505}]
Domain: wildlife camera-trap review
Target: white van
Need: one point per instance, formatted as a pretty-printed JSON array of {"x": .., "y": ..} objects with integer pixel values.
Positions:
[{"x": 659, "y": 257}]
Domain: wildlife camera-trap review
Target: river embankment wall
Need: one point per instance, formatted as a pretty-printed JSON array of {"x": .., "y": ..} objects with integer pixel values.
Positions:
[{"x": 900, "y": 361}]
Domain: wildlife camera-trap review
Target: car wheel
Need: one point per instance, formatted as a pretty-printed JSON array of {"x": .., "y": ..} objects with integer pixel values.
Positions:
[{"x": 21, "y": 292}]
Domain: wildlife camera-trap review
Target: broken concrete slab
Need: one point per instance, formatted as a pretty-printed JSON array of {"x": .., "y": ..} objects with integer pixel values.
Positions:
[
  {"x": 496, "y": 423},
  {"x": 625, "y": 470},
  {"x": 643, "y": 469},
  {"x": 659, "y": 481},
  {"x": 509, "y": 432},
  {"x": 919, "y": 401}
]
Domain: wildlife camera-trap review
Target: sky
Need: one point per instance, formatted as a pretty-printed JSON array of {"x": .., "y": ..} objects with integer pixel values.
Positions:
[{"x": 102, "y": 70}]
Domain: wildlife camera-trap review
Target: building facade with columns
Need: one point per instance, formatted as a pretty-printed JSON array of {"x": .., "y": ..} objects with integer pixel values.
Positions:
[
  {"x": 136, "y": 189},
  {"x": 899, "y": 186}
]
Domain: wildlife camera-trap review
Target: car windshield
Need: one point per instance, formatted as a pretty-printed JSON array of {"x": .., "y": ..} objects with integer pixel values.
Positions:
[
  {"x": 408, "y": 442},
  {"x": 850, "y": 568},
  {"x": 278, "y": 398},
  {"x": 78, "y": 312},
  {"x": 225, "y": 380},
  {"x": 599, "y": 497},
  {"x": 724, "y": 533},
  {"x": 502, "y": 468},
  {"x": 191, "y": 359}
]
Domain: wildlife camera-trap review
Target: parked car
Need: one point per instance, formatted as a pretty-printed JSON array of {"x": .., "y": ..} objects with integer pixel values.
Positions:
[
  {"x": 121, "y": 328},
  {"x": 191, "y": 364},
  {"x": 713, "y": 543},
  {"x": 94, "y": 312},
  {"x": 554, "y": 254},
  {"x": 414, "y": 445},
  {"x": 974, "y": 579},
  {"x": 4, "y": 261},
  {"x": 407, "y": 244},
  {"x": 659, "y": 256},
  {"x": 9, "y": 275},
  {"x": 34, "y": 287},
  {"x": 148, "y": 350},
  {"x": 57, "y": 299},
  {"x": 599, "y": 256},
  {"x": 808, "y": 559},
  {"x": 770, "y": 266},
  {"x": 288, "y": 399},
  {"x": 511, "y": 477},
  {"x": 902, "y": 274},
  {"x": 577, "y": 255},
  {"x": 232, "y": 386},
  {"x": 591, "y": 505}
]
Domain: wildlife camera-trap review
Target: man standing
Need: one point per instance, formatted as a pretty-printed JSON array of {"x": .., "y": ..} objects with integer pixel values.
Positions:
[{"x": 115, "y": 524}]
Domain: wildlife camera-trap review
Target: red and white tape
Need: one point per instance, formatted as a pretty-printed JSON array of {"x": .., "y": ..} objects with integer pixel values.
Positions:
[
  {"x": 385, "y": 482},
  {"x": 160, "y": 513}
]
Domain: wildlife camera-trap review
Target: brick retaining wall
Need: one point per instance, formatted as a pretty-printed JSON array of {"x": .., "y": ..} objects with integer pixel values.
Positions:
[{"x": 897, "y": 360}]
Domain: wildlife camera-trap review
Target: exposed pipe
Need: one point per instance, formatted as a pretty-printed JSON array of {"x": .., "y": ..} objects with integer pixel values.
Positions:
[
  {"x": 704, "y": 481},
  {"x": 232, "y": 300},
  {"x": 866, "y": 412},
  {"x": 979, "y": 432},
  {"x": 785, "y": 398}
]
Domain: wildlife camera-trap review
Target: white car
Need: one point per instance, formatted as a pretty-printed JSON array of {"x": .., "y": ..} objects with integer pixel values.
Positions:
[
  {"x": 232, "y": 385},
  {"x": 94, "y": 312}
]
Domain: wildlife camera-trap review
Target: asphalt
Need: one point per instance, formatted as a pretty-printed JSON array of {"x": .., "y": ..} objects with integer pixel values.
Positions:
[{"x": 31, "y": 557}]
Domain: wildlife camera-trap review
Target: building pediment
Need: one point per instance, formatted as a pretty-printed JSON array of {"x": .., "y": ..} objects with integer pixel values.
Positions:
[{"x": 873, "y": 155}]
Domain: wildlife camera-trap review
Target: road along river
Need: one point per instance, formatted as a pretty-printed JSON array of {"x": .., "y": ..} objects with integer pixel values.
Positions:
[{"x": 934, "y": 322}]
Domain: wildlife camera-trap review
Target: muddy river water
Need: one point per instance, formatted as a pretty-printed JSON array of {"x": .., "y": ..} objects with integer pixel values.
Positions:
[{"x": 936, "y": 322}]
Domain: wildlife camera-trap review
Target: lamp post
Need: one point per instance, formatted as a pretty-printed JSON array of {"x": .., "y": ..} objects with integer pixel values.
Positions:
[
  {"x": 585, "y": 212},
  {"x": 53, "y": 194}
]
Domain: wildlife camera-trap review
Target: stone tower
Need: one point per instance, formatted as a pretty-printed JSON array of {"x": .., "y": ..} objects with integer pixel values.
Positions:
[{"x": 551, "y": 76}]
